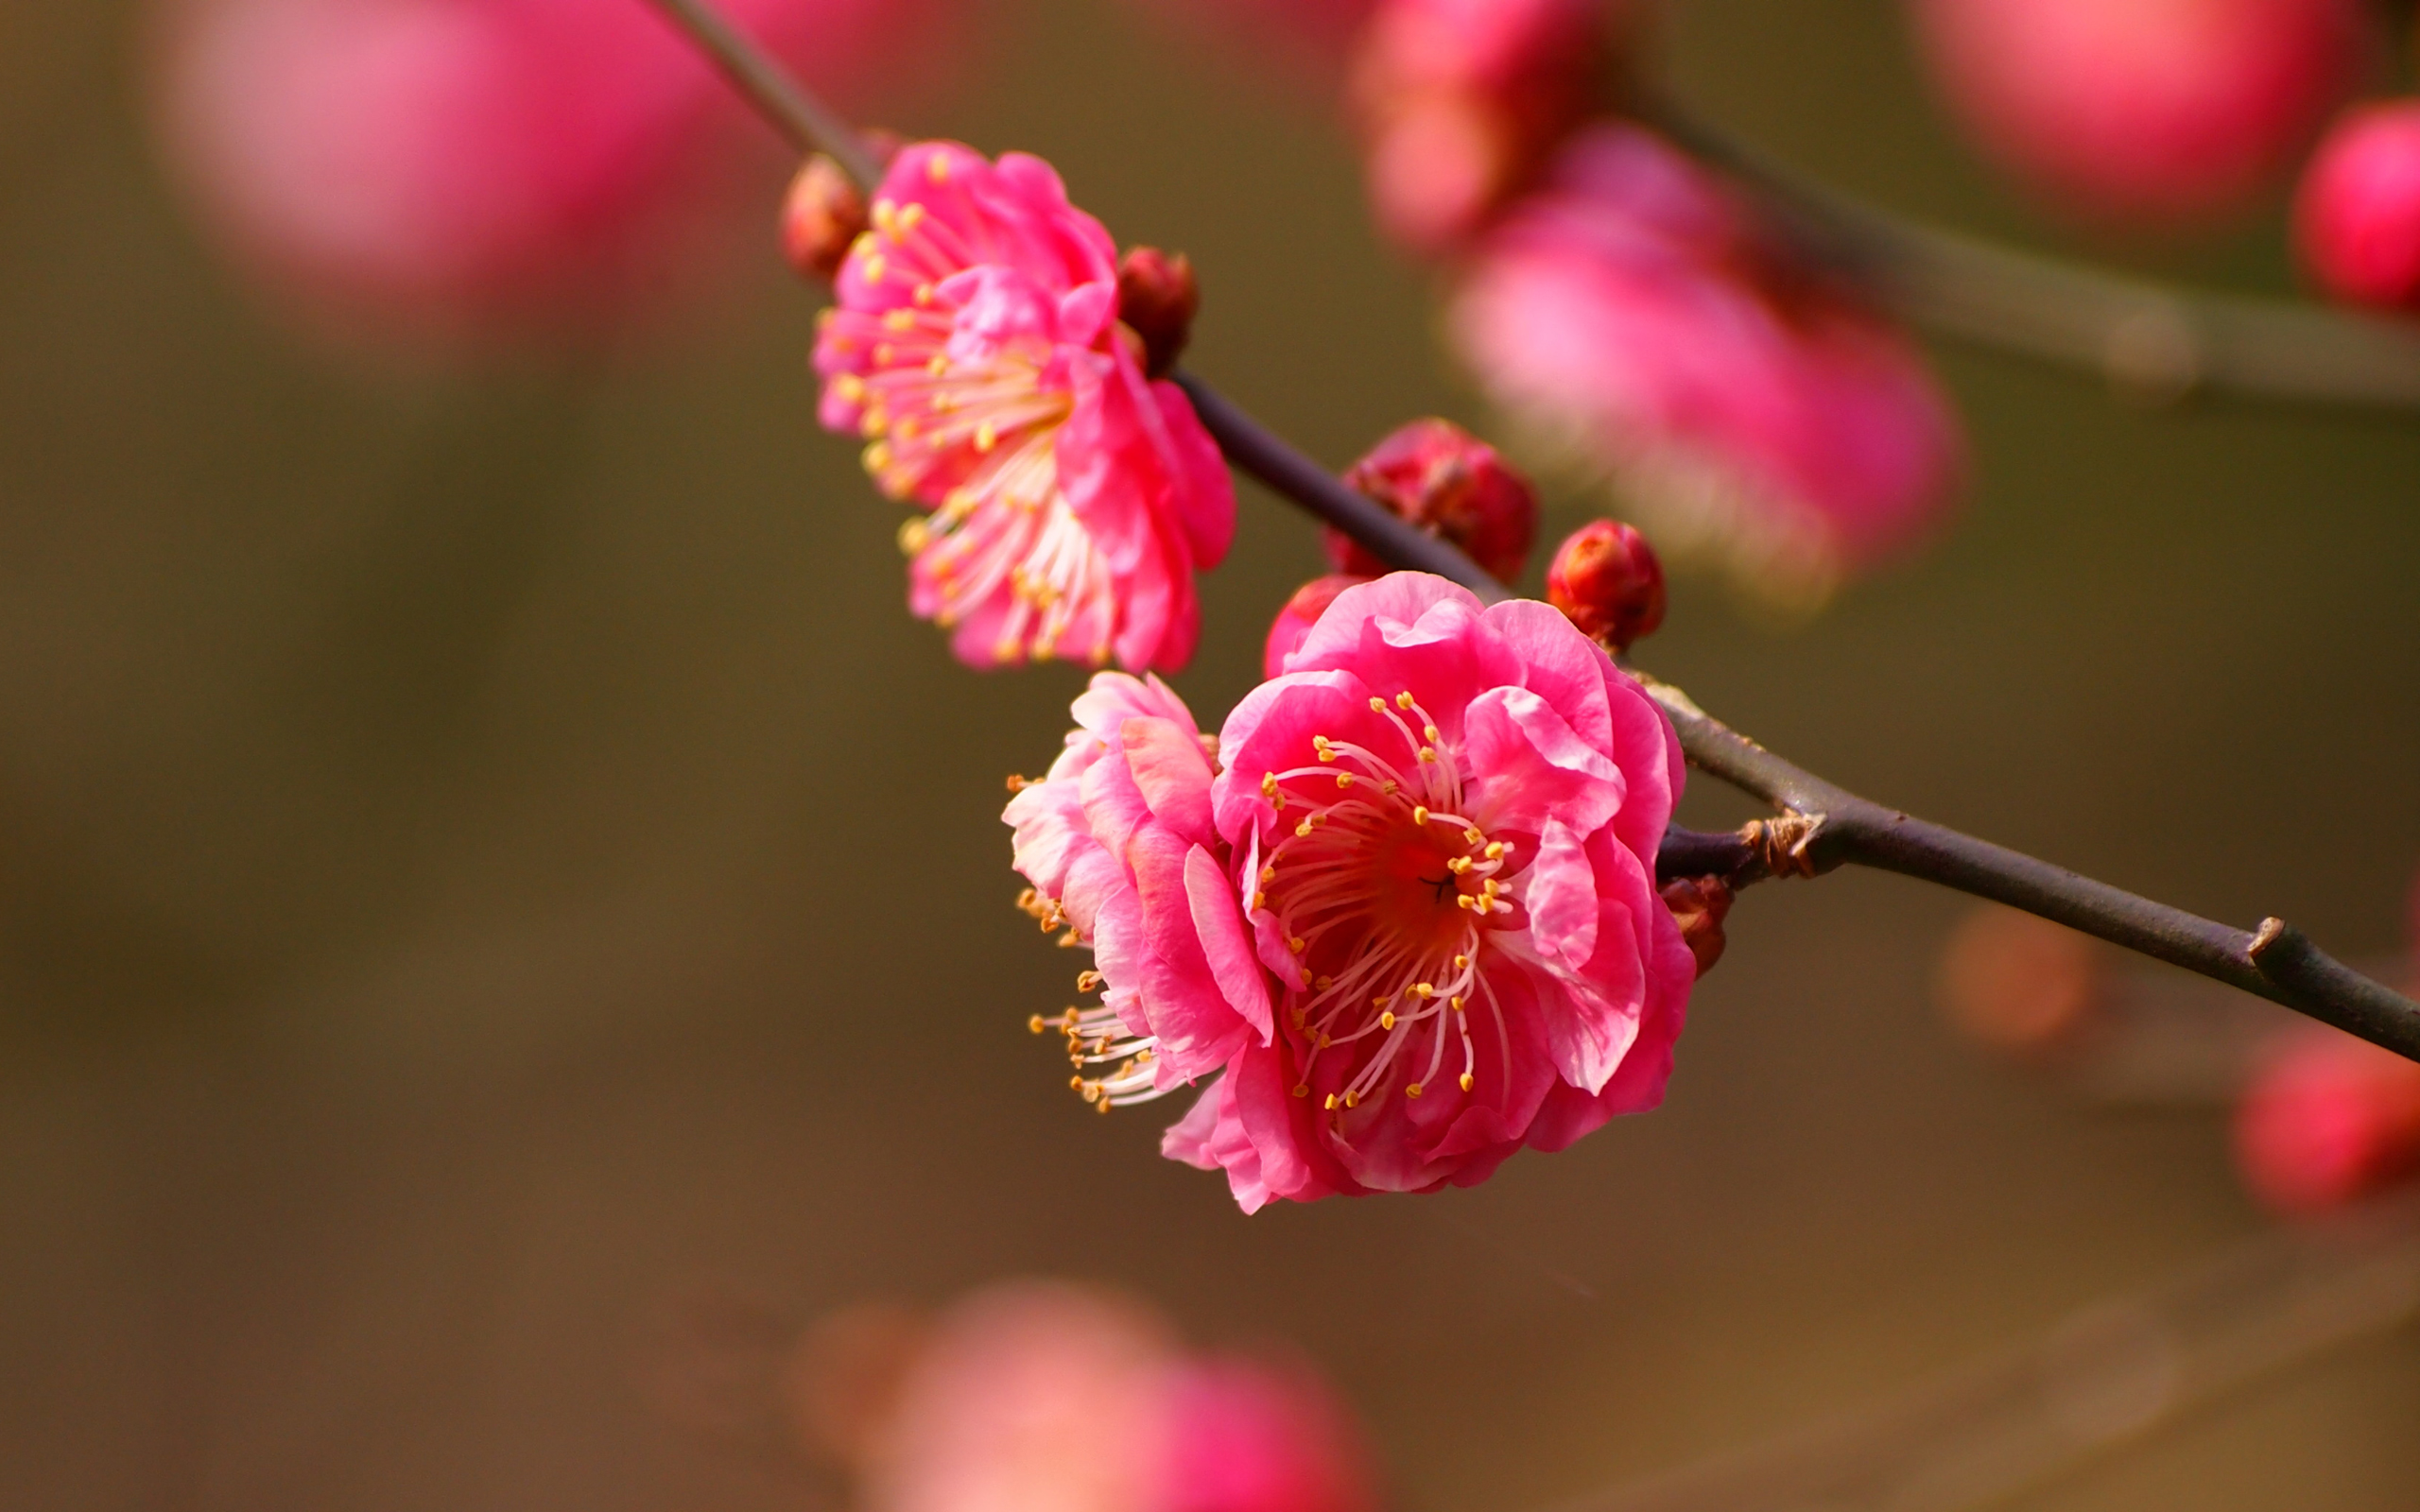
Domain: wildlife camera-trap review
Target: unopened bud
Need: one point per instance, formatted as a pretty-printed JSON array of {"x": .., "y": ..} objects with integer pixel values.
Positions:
[
  {"x": 1294, "y": 624},
  {"x": 1605, "y": 577},
  {"x": 1452, "y": 485},
  {"x": 821, "y": 215},
  {"x": 1157, "y": 298},
  {"x": 1698, "y": 905},
  {"x": 2021, "y": 985}
]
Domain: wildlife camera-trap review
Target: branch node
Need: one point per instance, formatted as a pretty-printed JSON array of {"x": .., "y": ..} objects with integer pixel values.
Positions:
[
  {"x": 1782, "y": 844},
  {"x": 2272, "y": 930}
]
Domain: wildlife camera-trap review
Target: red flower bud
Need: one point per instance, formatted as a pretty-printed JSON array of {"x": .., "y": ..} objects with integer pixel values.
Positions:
[
  {"x": 1157, "y": 298},
  {"x": 821, "y": 215},
  {"x": 1451, "y": 485},
  {"x": 1606, "y": 579},
  {"x": 1294, "y": 622},
  {"x": 1698, "y": 905}
]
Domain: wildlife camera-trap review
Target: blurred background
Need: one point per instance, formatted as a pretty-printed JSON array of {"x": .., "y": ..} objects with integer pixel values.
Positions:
[{"x": 483, "y": 855}]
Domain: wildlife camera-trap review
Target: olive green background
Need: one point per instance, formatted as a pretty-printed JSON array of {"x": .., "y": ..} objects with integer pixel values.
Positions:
[{"x": 483, "y": 857}]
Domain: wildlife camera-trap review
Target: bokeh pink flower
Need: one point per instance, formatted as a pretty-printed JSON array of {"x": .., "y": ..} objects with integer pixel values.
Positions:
[
  {"x": 1460, "y": 101},
  {"x": 975, "y": 345},
  {"x": 431, "y": 172},
  {"x": 1637, "y": 319},
  {"x": 2325, "y": 1120},
  {"x": 1410, "y": 921},
  {"x": 1050, "y": 1396},
  {"x": 2356, "y": 213},
  {"x": 2144, "y": 111}
]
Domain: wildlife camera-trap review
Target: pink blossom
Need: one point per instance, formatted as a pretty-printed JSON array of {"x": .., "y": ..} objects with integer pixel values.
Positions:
[
  {"x": 1636, "y": 317},
  {"x": 2327, "y": 1121},
  {"x": 2144, "y": 110},
  {"x": 454, "y": 168},
  {"x": 1412, "y": 917},
  {"x": 1460, "y": 100},
  {"x": 2356, "y": 215},
  {"x": 1247, "y": 1435},
  {"x": 1045, "y": 1396},
  {"x": 975, "y": 345}
]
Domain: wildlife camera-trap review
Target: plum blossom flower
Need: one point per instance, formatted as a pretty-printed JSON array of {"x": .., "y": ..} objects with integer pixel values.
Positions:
[
  {"x": 420, "y": 170},
  {"x": 1412, "y": 916},
  {"x": 1292, "y": 625},
  {"x": 1051, "y": 1397},
  {"x": 975, "y": 345},
  {"x": 1636, "y": 317},
  {"x": 2144, "y": 111}
]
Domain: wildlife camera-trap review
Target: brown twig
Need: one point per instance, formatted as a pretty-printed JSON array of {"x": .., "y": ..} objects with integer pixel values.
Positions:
[{"x": 1820, "y": 826}]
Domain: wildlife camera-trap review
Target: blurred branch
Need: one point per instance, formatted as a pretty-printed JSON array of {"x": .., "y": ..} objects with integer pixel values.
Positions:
[
  {"x": 2110, "y": 1374},
  {"x": 1820, "y": 826},
  {"x": 804, "y": 120},
  {"x": 2146, "y": 337}
]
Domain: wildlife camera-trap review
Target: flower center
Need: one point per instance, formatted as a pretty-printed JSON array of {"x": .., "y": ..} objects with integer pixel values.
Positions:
[{"x": 1388, "y": 895}]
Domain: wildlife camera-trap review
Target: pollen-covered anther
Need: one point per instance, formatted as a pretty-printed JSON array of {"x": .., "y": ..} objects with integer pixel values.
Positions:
[{"x": 1386, "y": 1021}]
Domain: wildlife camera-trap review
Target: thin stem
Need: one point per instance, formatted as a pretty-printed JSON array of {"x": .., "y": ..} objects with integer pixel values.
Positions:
[
  {"x": 804, "y": 120},
  {"x": 1286, "y": 473},
  {"x": 1822, "y": 826},
  {"x": 2150, "y": 339}
]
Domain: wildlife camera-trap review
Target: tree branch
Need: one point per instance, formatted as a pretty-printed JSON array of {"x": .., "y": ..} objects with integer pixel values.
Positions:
[
  {"x": 2149, "y": 339},
  {"x": 1820, "y": 826}
]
